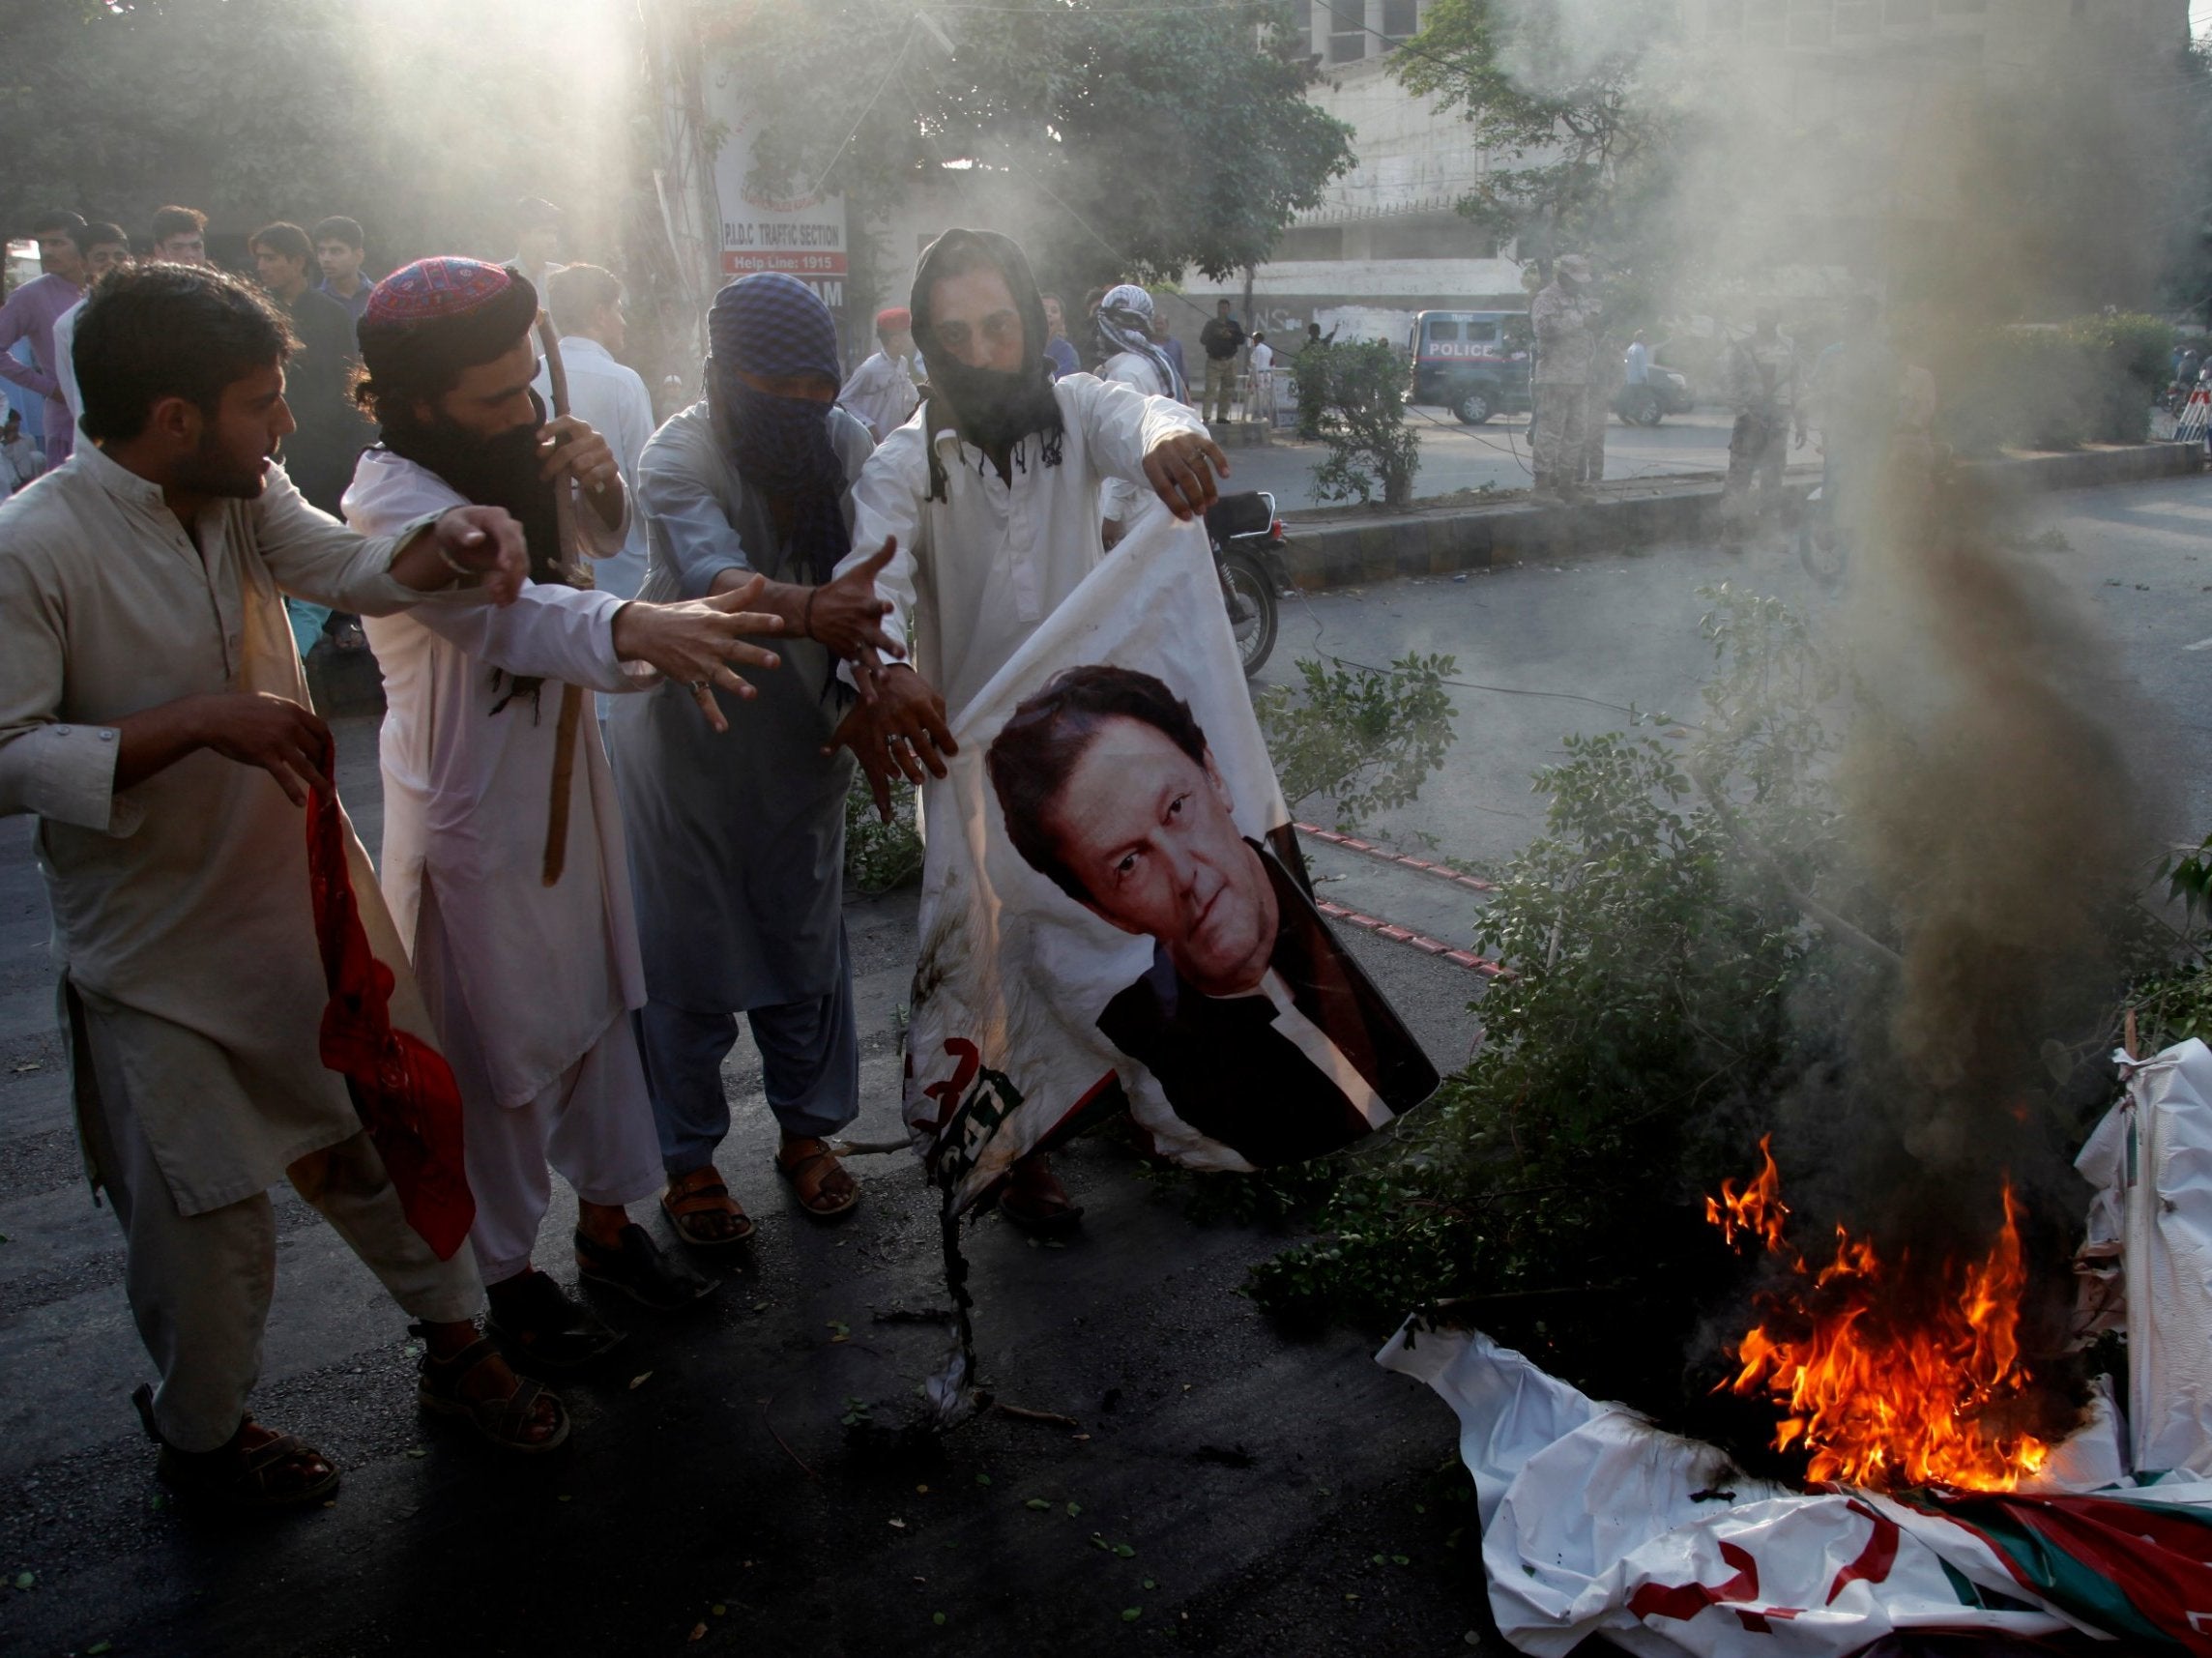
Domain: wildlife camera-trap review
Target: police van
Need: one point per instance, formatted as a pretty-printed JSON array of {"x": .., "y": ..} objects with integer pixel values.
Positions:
[{"x": 1475, "y": 363}]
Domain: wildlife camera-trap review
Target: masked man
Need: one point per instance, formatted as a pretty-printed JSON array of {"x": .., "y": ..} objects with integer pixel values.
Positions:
[
  {"x": 502, "y": 852},
  {"x": 1135, "y": 359},
  {"x": 991, "y": 503},
  {"x": 153, "y": 715},
  {"x": 738, "y": 848}
]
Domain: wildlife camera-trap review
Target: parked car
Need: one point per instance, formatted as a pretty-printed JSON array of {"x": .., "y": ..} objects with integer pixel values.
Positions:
[
  {"x": 1668, "y": 392},
  {"x": 1475, "y": 363}
]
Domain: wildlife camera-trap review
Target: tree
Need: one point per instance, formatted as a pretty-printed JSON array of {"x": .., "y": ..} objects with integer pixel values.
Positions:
[
  {"x": 1138, "y": 139},
  {"x": 1363, "y": 404},
  {"x": 1581, "y": 154}
]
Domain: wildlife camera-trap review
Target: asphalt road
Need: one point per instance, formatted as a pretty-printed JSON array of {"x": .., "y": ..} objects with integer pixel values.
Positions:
[{"x": 1267, "y": 1480}]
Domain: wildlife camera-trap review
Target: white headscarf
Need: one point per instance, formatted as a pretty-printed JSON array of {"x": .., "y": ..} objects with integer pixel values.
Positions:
[{"x": 1126, "y": 322}]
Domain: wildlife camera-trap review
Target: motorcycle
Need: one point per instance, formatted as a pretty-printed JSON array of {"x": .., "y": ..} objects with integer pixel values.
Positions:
[{"x": 1247, "y": 539}]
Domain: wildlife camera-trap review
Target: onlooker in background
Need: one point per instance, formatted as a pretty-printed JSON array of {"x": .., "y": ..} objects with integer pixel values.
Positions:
[
  {"x": 881, "y": 394},
  {"x": 1762, "y": 385},
  {"x": 330, "y": 434},
  {"x": 1260, "y": 402},
  {"x": 339, "y": 252},
  {"x": 1171, "y": 348},
  {"x": 1564, "y": 317},
  {"x": 104, "y": 247},
  {"x": 1222, "y": 338},
  {"x": 180, "y": 236},
  {"x": 1057, "y": 346},
  {"x": 1125, "y": 319},
  {"x": 1311, "y": 376},
  {"x": 30, "y": 314},
  {"x": 1085, "y": 337},
  {"x": 537, "y": 240},
  {"x": 1636, "y": 364},
  {"x": 20, "y": 461}
]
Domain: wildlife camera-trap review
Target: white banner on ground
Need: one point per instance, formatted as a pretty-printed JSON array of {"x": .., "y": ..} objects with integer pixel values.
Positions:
[{"x": 1113, "y": 913}]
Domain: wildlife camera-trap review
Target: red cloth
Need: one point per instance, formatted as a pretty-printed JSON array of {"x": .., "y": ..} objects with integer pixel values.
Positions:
[{"x": 401, "y": 1087}]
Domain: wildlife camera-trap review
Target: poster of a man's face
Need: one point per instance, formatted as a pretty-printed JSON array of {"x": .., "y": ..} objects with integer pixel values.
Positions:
[
  {"x": 1114, "y": 912},
  {"x": 1109, "y": 789},
  {"x": 1262, "y": 1033}
]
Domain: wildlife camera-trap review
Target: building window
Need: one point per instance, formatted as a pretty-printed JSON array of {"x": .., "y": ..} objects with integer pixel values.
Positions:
[{"x": 1401, "y": 18}]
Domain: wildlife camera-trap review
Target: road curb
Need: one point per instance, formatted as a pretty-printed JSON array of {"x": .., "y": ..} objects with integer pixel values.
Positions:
[{"x": 1442, "y": 541}]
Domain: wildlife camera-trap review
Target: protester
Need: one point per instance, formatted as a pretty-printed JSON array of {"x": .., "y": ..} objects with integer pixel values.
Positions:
[
  {"x": 989, "y": 503},
  {"x": 881, "y": 394},
  {"x": 1135, "y": 359},
  {"x": 30, "y": 314},
  {"x": 104, "y": 248},
  {"x": 1221, "y": 338},
  {"x": 738, "y": 849},
  {"x": 1564, "y": 317},
  {"x": 1260, "y": 402},
  {"x": 339, "y": 252},
  {"x": 516, "y": 906},
  {"x": 1058, "y": 346},
  {"x": 153, "y": 715},
  {"x": 180, "y": 236},
  {"x": 1762, "y": 387},
  {"x": 538, "y": 239},
  {"x": 20, "y": 460},
  {"x": 319, "y": 453},
  {"x": 608, "y": 396}
]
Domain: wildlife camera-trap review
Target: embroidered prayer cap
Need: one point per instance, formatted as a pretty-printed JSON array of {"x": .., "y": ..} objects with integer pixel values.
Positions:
[
  {"x": 893, "y": 319},
  {"x": 774, "y": 325},
  {"x": 431, "y": 290}
]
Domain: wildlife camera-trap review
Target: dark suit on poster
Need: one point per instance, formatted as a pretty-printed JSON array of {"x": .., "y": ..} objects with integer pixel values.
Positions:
[{"x": 1229, "y": 1073}]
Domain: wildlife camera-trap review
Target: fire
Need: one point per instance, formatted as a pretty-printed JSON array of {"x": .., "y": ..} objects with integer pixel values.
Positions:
[{"x": 1891, "y": 1374}]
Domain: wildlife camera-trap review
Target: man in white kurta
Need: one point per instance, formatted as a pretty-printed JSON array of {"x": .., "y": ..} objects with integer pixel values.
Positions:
[
  {"x": 880, "y": 393},
  {"x": 529, "y": 983},
  {"x": 993, "y": 497},
  {"x": 153, "y": 718}
]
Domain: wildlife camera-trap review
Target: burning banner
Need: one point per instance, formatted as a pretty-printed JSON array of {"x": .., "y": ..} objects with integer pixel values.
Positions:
[
  {"x": 1933, "y": 1509},
  {"x": 1115, "y": 914}
]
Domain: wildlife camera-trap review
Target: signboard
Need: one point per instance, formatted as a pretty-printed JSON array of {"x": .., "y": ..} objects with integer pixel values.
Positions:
[{"x": 801, "y": 235}]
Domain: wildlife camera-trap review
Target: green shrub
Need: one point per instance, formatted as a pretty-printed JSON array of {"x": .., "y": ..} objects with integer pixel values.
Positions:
[
  {"x": 2055, "y": 386},
  {"x": 1361, "y": 389}
]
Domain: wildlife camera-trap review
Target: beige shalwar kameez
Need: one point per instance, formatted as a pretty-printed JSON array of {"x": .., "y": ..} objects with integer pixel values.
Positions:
[{"x": 192, "y": 988}]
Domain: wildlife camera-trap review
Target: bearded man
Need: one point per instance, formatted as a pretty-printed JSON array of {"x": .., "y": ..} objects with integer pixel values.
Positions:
[
  {"x": 503, "y": 854},
  {"x": 990, "y": 506},
  {"x": 739, "y": 850}
]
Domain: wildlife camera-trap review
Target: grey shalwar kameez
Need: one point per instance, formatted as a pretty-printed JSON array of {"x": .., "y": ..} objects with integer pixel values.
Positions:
[{"x": 736, "y": 842}]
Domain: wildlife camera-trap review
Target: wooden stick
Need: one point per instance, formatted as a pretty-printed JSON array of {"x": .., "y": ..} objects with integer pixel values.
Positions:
[{"x": 572, "y": 697}]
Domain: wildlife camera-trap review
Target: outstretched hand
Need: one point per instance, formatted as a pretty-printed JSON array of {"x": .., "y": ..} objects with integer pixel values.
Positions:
[
  {"x": 486, "y": 541},
  {"x": 1182, "y": 468},
  {"x": 845, "y": 614},
  {"x": 902, "y": 734},
  {"x": 694, "y": 642}
]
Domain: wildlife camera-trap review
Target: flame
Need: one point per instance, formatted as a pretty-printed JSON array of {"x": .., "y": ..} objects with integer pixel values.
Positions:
[{"x": 1892, "y": 1375}]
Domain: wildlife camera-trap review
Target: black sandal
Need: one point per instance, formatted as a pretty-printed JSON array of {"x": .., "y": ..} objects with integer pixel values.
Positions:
[
  {"x": 644, "y": 1271},
  {"x": 540, "y": 1324},
  {"x": 503, "y": 1422},
  {"x": 245, "y": 1480}
]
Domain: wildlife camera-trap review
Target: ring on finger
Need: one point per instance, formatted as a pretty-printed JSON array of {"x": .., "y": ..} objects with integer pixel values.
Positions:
[{"x": 698, "y": 685}]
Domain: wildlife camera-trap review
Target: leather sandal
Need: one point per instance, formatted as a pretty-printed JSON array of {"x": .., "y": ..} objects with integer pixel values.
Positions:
[
  {"x": 503, "y": 1422},
  {"x": 246, "y": 1480},
  {"x": 809, "y": 1174},
  {"x": 538, "y": 1323},
  {"x": 641, "y": 1269},
  {"x": 703, "y": 1192}
]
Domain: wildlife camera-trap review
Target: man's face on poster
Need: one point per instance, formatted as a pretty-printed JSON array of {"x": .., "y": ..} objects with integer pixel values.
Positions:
[{"x": 1146, "y": 831}]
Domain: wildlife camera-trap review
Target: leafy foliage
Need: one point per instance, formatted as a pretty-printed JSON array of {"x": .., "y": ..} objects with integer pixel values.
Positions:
[
  {"x": 2091, "y": 379},
  {"x": 1578, "y": 154},
  {"x": 1360, "y": 390},
  {"x": 1149, "y": 138},
  {"x": 1365, "y": 738},
  {"x": 880, "y": 857}
]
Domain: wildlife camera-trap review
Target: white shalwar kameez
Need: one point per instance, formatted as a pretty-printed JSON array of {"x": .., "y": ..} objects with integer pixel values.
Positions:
[
  {"x": 530, "y": 987},
  {"x": 976, "y": 574}
]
